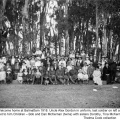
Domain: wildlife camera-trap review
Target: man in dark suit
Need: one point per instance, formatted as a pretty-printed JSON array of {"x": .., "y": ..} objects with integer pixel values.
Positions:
[
  {"x": 8, "y": 76},
  {"x": 113, "y": 68}
]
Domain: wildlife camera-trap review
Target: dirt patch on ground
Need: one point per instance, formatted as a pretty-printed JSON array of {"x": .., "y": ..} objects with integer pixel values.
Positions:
[{"x": 59, "y": 96}]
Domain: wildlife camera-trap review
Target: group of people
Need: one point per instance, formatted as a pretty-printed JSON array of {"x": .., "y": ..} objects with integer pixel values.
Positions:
[{"x": 46, "y": 69}]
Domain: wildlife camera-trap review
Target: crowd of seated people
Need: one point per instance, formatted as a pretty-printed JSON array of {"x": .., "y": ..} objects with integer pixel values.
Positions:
[{"x": 37, "y": 69}]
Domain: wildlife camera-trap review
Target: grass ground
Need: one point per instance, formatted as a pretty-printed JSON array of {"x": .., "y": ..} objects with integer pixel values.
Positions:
[{"x": 59, "y": 96}]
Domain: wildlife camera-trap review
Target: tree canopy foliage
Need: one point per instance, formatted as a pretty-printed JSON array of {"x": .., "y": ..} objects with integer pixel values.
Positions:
[{"x": 79, "y": 24}]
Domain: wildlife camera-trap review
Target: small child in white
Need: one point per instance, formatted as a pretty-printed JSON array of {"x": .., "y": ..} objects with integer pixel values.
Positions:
[{"x": 97, "y": 76}]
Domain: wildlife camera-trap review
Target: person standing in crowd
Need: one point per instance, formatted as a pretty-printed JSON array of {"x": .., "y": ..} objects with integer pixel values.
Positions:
[
  {"x": 87, "y": 60},
  {"x": 13, "y": 61},
  {"x": 83, "y": 55},
  {"x": 90, "y": 71},
  {"x": 91, "y": 58},
  {"x": 26, "y": 60},
  {"x": 25, "y": 76},
  {"x": 106, "y": 73},
  {"x": 77, "y": 67},
  {"x": 69, "y": 66},
  {"x": 29, "y": 77},
  {"x": 97, "y": 76},
  {"x": 103, "y": 62},
  {"x": 17, "y": 68},
  {"x": 55, "y": 65},
  {"x": 43, "y": 56},
  {"x": 23, "y": 66},
  {"x": 113, "y": 68},
  {"x": 32, "y": 62},
  {"x": 13, "y": 66},
  {"x": 80, "y": 61},
  {"x": 68, "y": 62}
]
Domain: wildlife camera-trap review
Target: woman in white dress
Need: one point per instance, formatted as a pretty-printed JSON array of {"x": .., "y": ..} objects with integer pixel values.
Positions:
[
  {"x": 2, "y": 75},
  {"x": 97, "y": 76},
  {"x": 84, "y": 71}
]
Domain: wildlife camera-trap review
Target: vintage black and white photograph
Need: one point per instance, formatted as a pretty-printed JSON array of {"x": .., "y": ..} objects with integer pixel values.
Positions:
[{"x": 59, "y": 53}]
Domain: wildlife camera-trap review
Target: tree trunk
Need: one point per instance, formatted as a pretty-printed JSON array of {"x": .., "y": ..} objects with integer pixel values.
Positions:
[
  {"x": 77, "y": 44},
  {"x": 66, "y": 32},
  {"x": 42, "y": 23},
  {"x": 87, "y": 36},
  {"x": 95, "y": 55}
]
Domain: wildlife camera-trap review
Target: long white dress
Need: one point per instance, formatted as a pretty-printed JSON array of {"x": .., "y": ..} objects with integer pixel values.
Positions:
[
  {"x": 85, "y": 75},
  {"x": 2, "y": 75},
  {"x": 97, "y": 77}
]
